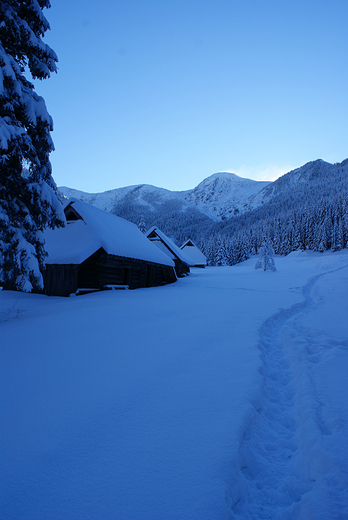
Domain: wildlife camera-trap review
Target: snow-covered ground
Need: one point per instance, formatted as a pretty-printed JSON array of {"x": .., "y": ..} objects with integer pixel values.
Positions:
[{"x": 222, "y": 396}]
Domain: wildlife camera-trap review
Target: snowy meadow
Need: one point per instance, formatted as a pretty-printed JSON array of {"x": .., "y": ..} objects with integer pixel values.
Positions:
[{"x": 221, "y": 396}]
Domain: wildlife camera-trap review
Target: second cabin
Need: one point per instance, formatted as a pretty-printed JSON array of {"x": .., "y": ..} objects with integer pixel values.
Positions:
[{"x": 167, "y": 246}]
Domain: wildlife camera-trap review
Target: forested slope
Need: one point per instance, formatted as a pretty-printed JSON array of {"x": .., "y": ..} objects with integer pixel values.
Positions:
[{"x": 229, "y": 217}]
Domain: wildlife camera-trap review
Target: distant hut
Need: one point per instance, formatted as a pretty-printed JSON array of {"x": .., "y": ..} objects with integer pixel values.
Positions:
[
  {"x": 165, "y": 244},
  {"x": 97, "y": 249},
  {"x": 196, "y": 256}
]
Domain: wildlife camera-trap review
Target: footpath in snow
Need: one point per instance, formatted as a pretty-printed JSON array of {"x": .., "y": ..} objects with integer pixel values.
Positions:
[
  {"x": 294, "y": 456},
  {"x": 222, "y": 396}
]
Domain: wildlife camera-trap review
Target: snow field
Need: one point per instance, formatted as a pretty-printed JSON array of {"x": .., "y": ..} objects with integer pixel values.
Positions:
[
  {"x": 294, "y": 464},
  {"x": 220, "y": 396},
  {"x": 317, "y": 342}
]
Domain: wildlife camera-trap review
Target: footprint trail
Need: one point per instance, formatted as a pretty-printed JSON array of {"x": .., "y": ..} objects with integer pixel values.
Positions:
[{"x": 278, "y": 464}]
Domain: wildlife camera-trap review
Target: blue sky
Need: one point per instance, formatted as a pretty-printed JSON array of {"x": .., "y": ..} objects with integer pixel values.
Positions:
[{"x": 170, "y": 92}]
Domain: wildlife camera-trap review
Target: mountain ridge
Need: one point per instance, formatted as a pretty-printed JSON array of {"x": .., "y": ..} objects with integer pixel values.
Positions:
[
  {"x": 219, "y": 196},
  {"x": 305, "y": 208}
]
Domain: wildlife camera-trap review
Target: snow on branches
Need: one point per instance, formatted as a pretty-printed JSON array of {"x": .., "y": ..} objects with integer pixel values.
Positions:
[
  {"x": 28, "y": 195},
  {"x": 265, "y": 260}
]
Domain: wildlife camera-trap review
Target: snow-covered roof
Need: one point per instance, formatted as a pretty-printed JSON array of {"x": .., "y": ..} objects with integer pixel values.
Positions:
[
  {"x": 96, "y": 229},
  {"x": 192, "y": 251},
  {"x": 167, "y": 245}
]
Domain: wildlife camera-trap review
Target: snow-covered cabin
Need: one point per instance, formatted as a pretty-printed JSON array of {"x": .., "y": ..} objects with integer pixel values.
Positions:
[
  {"x": 198, "y": 259},
  {"x": 165, "y": 244},
  {"x": 97, "y": 249}
]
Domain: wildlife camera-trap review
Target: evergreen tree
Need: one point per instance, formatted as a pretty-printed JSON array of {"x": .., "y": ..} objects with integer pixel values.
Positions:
[
  {"x": 335, "y": 237},
  {"x": 230, "y": 250},
  {"x": 221, "y": 255},
  {"x": 266, "y": 261},
  {"x": 341, "y": 242},
  {"x": 28, "y": 194},
  {"x": 298, "y": 239},
  {"x": 142, "y": 225},
  {"x": 253, "y": 243}
]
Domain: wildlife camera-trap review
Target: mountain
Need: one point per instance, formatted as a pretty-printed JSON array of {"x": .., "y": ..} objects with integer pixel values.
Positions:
[
  {"x": 153, "y": 206},
  {"x": 224, "y": 195},
  {"x": 316, "y": 175},
  {"x": 218, "y": 197},
  {"x": 230, "y": 216}
]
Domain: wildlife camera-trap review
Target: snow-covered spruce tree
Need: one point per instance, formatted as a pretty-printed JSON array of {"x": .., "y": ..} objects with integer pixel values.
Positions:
[
  {"x": 266, "y": 261},
  {"x": 220, "y": 253},
  {"x": 142, "y": 225},
  {"x": 28, "y": 194}
]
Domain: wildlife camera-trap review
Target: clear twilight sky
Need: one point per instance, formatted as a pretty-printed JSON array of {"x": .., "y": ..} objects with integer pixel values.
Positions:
[{"x": 168, "y": 92}]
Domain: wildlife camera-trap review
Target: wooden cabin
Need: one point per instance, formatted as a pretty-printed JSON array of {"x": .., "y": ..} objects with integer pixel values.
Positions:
[
  {"x": 196, "y": 256},
  {"x": 165, "y": 244},
  {"x": 96, "y": 250}
]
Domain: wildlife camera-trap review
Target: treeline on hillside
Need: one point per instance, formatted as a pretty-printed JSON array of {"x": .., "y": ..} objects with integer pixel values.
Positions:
[
  {"x": 305, "y": 213},
  {"x": 305, "y": 209},
  {"x": 314, "y": 225},
  {"x": 319, "y": 226}
]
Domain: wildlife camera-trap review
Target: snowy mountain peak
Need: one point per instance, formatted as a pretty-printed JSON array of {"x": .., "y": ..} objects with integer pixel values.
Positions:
[
  {"x": 228, "y": 178},
  {"x": 224, "y": 194},
  {"x": 221, "y": 175}
]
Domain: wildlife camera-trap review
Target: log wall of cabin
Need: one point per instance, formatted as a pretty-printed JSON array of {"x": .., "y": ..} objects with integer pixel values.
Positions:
[
  {"x": 60, "y": 280},
  {"x": 181, "y": 268},
  {"x": 102, "y": 269}
]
